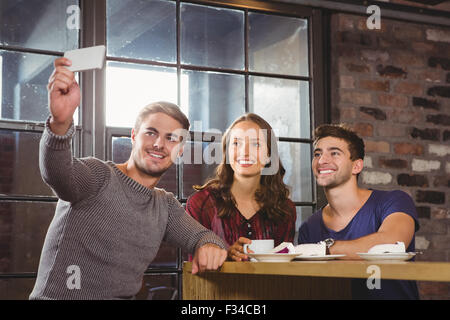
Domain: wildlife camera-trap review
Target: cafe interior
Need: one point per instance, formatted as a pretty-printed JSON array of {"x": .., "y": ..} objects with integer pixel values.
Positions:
[{"x": 381, "y": 67}]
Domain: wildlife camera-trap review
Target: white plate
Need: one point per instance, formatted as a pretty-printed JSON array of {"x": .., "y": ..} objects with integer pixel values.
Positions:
[
  {"x": 273, "y": 257},
  {"x": 394, "y": 256},
  {"x": 325, "y": 257}
]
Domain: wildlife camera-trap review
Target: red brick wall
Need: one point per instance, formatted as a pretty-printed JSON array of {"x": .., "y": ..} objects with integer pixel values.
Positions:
[{"x": 393, "y": 86}]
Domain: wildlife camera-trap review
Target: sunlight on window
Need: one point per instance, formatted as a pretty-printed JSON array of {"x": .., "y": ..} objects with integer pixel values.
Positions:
[{"x": 129, "y": 90}]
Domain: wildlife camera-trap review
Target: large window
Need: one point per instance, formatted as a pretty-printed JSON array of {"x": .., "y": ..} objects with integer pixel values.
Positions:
[{"x": 217, "y": 60}]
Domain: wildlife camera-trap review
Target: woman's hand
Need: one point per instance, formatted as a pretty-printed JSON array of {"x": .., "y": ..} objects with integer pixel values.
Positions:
[{"x": 236, "y": 251}]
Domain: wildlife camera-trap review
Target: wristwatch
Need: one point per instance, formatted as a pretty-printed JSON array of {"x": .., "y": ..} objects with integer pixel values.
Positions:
[{"x": 329, "y": 242}]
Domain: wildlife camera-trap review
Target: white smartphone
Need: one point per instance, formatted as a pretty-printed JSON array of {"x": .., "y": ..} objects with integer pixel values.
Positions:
[{"x": 86, "y": 58}]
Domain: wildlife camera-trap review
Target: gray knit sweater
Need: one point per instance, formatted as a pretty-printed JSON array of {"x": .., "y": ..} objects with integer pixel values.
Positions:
[{"x": 107, "y": 227}]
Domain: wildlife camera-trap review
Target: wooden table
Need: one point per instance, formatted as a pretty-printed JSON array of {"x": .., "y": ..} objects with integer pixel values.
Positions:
[{"x": 299, "y": 279}]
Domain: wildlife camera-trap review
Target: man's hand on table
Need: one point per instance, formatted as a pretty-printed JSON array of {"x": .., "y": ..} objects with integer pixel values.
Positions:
[{"x": 208, "y": 257}]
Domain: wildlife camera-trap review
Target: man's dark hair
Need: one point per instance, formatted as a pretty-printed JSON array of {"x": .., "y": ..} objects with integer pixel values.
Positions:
[{"x": 341, "y": 131}]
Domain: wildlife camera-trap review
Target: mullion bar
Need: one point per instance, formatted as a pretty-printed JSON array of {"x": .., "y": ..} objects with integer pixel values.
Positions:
[
  {"x": 246, "y": 33},
  {"x": 278, "y": 8},
  {"x": 179, "y": 167},
  {"x": 304, "y": 203},
  {"x": 295, "y": 140},
  {"x": 320, "y": 104},
  {"x": 279, "y": 76},
  {"x": 22, "y": 126},
  {"x": 30, "y": 50},
  {"x": 141, "y": 61}
]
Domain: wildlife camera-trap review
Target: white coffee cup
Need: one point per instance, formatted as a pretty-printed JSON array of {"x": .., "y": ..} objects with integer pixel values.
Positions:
[{"x": 259, "y": 246}]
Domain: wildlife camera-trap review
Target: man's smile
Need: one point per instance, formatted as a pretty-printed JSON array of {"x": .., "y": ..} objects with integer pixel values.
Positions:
[
  {"x": 326, "y": 171},
  {"x": 156, "y": 155}
]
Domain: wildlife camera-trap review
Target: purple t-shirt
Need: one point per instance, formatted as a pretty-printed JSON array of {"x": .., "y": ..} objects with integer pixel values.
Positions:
[{"x": 366, "y": 221}]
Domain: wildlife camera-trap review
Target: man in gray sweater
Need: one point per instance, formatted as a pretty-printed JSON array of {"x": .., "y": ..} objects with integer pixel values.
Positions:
[{"x": 110, "y": 219}]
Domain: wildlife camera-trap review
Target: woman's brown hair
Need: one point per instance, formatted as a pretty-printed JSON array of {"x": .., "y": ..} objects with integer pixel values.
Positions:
[{"x": 272, "y": 195}]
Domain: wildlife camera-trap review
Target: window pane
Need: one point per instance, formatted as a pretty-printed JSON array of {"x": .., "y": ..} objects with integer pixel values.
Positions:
[
  {"x": 159, "y": 287},
  {"x": 23, "y": 228},
  {"x": 278, "y": 44},
  {"x": 19, "y": 164},
  {"x": 214, "y": 100},
  {"x": 130, "y": 87},
  {"x": 303, "y": 213},
  {"x": 296, "y": 159},
  {"x": 121, "y": 150},
  {"x": 23, "y": 79},
  {"x": 37, "y": 24},
  {"x": 283, "y": 103},
  {"x": 16, "y": 288},
  {"x": 142, "y": 29},
  {"x": 200, "y": 160},
  {"x": 212, "y": 37}
]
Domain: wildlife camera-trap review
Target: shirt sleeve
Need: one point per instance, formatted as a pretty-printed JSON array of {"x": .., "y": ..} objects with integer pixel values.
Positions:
[
  {"x": 185, "y": 232},
  {"x": 70, "y": 178},
  {"x": 195, "y": 208},
  {"x": 398, "y": 201}
]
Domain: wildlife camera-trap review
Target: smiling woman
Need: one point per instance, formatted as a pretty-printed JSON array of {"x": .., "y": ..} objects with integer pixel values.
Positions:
[
  {"x": 247, "y": 198},
  {"x": 247, "y": 151}
]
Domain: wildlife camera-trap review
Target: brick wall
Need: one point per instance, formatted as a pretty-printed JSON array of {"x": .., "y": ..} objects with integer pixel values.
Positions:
[{"x": 393, "y": 87}]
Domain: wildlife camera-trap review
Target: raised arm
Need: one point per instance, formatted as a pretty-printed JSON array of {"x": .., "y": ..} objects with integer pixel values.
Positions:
[{"x": 70, "y": 178}]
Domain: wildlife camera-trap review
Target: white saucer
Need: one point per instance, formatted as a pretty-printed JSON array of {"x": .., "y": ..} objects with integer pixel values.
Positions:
[
  {"x": 273, "y": 257},
  {"x": 323, "y": 257},
  {"x": 392, "y": 256}
]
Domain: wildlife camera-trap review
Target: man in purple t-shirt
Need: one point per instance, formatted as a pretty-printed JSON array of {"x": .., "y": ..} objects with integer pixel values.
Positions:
[{"x": 356, "y": 219}]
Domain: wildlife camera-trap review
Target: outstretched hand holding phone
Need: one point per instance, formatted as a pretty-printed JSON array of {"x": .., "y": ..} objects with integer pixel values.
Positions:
[{"x": 63, "y": 96}]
